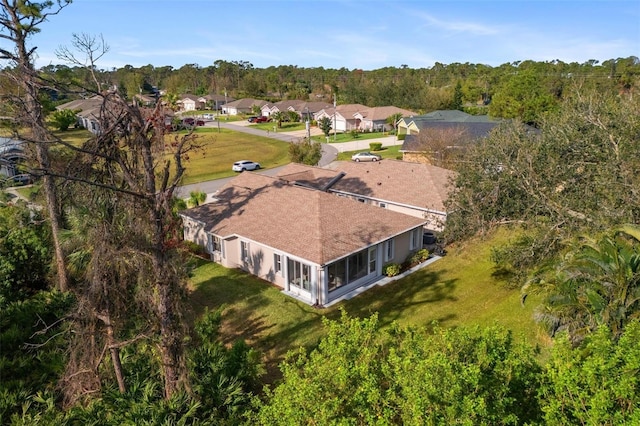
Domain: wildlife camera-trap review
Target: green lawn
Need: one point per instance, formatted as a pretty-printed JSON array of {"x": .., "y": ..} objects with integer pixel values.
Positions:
[
  {"x": 457, "y": 290},
  {"x": 220, "y": 149},
  {"x": 286, "y": 127},
  {"x": 347, "y": 137},
  {"x": 392, "y": 152}
]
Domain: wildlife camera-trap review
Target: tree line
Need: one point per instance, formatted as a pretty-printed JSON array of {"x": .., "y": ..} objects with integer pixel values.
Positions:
[{"x": 520, "y": 89}]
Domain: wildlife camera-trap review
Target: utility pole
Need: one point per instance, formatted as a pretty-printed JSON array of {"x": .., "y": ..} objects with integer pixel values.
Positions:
[
  {"x": 308, "y": 124},
  {"x": 334, "y": 117}
]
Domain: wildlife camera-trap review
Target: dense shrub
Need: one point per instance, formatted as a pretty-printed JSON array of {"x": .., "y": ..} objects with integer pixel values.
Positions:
[
  {"x": 391, "y": 269},
  {"x": 375, "y": 146}
]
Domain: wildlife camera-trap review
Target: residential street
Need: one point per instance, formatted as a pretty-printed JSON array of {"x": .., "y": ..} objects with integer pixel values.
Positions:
[{"x": 329, "y": 151}]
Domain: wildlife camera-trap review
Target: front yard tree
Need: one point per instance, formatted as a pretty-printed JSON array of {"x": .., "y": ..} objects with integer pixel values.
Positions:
[
  {"x": 305, "y": 152},
  {"x": 278, "y": 117},
  {"x": 62, "y": 119},
  {"x": 393, "y": 119},
  {"x": 20, "y": 19},
  {"x": 325, "y": 125}
]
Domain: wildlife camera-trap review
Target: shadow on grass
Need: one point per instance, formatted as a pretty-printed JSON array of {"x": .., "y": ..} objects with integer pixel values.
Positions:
[{"x": 405, "y": 299}]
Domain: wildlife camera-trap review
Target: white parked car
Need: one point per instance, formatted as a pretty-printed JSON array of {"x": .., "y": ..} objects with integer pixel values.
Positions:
[
  {"x": 365, "y": 156},
  {"x": 241, "y": 166}
]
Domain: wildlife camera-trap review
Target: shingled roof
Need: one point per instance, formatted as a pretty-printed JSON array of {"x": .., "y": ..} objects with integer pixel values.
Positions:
[
  {"x": 313, "y": 225},
  {"x": 414, "y": 184}
]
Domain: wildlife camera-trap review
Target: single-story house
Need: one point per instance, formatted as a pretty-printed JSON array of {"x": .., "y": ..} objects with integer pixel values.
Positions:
[
  {"x": 342, "y": 116},
  {"x": 375, "y": 119},
  {"x": 214, "y": 102},
  {"x": 413, "y": 147},
  {"x": 188, "y": 102},
  {"x": 313, "y": 245},
  {"x": 304, "y": 109},
  {"x": 88, "y": 111},
  {"x": 242, "y": 106},
  {"x": 414, "y": 189}
]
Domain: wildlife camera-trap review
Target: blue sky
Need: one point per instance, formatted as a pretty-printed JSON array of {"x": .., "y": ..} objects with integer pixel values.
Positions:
[{"x": 353, "y": 34}]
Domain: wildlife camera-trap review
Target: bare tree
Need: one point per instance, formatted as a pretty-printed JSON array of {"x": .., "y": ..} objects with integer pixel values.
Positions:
[
  {"x": 19, "y": 19},
  {"x": 442, "y": 147}
]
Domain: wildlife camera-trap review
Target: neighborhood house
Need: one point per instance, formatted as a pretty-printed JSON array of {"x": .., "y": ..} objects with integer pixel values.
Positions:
[{"x": 314, "y": 245}]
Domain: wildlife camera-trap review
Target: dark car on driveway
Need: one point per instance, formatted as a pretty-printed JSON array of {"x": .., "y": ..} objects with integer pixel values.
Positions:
[{"x": 192, "y": 122}]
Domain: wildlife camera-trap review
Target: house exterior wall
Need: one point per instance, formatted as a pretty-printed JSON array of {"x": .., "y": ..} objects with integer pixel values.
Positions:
[
  {"x": 260, "y": 261},
  {"x": 188, "y": 105},
  {"x": 193, "y": 231}
]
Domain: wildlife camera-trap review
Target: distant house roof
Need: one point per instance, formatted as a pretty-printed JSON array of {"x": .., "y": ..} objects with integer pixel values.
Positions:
[
  {"x": 220, "y": 99},
  {"x": 245, "y": 103},
  {"x": 189, "y": 96},
  {"x": 453, "y": 116},
  {"x": 475, "y": 130},
  {"x": 476, "y": 126},
  {"x": 310, "y": 224},
  {"x": 93, "y": 103},
  {"x": 383, "y": 112}
]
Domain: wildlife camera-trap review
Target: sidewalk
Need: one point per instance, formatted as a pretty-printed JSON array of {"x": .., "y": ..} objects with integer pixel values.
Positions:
[{"x": 363, "y": 144}]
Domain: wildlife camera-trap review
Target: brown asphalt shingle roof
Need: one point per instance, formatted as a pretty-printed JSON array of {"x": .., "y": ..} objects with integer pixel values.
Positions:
[
  {"x": 414, "y": 184},
  {"x": 313, "y": 225}
]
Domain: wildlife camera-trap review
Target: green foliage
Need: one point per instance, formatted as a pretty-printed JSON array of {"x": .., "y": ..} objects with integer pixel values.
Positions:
[
  {"x": 597, "y": 383},
  {"x": 391, "y": 269},
  {"x": 457, "y": 97},
  {"x": 32, "y": 339},
  {"x": 223, "y": 378},
  {"x": 375, "y": 146},
  {"x": 570, "y": 178},
  {"x": 325, "y": 125},
  {"x": 25, "y": 252},
  {"x": 597, "y": 283},
  {"x": 524, "y": 98},
  {"x": 354, "y": 134},
  {"x": 196, "y": 198},
  {"x": 402, "y": 137},
  {"x": 361, "y": 375},
  {"x": 292, "y": 116},
  {"x": 418, "y": 257},
  {"x": 62, "y": 119},
  {"x": 305, "y": 152}
]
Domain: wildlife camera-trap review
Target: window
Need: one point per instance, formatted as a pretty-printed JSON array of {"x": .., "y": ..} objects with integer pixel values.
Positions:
[
  {"x": 299, "y": 274},
  {"x": 388, "y": 250},
  {"x": 244, "y": 250},
  {"x": 348, "y": 270},
  {"x": 415, "y": 239},
  {"x": 217, "y": 245},
  {"x": 277, "y": 263},
  {"x": 373, "y": 255}
]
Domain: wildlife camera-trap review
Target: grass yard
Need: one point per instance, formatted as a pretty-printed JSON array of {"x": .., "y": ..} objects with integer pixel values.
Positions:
[
  {"x": 221, "y": 149},
  {"x": 392, "y": 152},
  {"x": 457, "y": 290},
  {"x": 348, "y": 137},
  {"x": 286, "y": 126}
]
